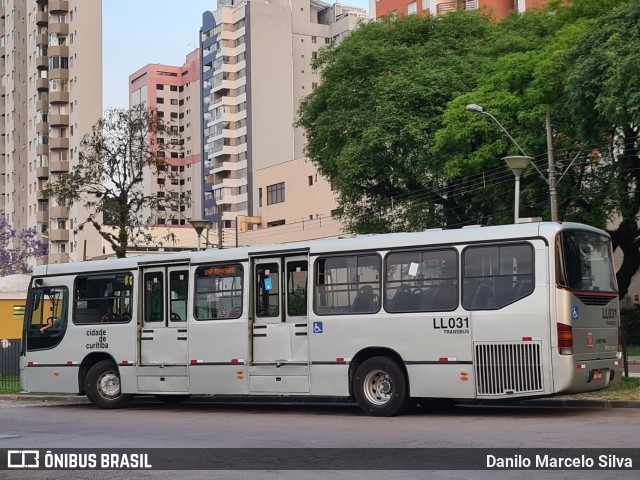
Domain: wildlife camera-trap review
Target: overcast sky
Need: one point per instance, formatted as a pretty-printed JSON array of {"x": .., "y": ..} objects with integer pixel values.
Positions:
[{"x": 139, "y": 32}]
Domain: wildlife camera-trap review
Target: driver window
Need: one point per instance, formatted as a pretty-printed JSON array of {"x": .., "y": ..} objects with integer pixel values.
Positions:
[{"x": 47, "y": 320}]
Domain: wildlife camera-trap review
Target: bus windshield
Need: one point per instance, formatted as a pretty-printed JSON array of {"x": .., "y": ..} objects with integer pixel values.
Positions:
[{"x": 585, "y": 261}]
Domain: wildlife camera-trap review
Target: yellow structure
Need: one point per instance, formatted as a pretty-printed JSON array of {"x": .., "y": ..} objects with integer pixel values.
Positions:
[{"x": 13, "y": 298}]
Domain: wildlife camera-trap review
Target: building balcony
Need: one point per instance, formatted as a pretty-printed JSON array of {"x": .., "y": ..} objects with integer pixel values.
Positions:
[
  {"x": 59, "y": 212},
  {"x": 58, "y": 97},
  {"x": 42, "y": 18},
  {"x": 42, "y": 149},
  {"x": 58, "y": 6},
  {"x": 42, "y": 84},
  {"x": 58, "y": 51},
  {"x": 42, "y": 62},
  {"x": 59, "y": 235},
  {"x": 43, "y": 217},
  {"x": 42, "y": 39},
  {"x": 59, "y": 166},
  {"x": 59, "y": 73},
  {"x": 42, "y": 105},
  {"x": 42, "y": 172},
  {"x": 448, "y": 6},
  {"x": 58, "y": 258},
  {"x": 57, "y": 143},
  {"x": 42, "y": 127},
  {"x": 59, "y": 120},
  {"x": 40, "y": 195},
  {"x": 59, "y": 28}
]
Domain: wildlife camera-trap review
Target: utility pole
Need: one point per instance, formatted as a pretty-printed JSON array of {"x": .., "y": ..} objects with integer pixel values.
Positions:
[
  {"x": 553, "y": 193},
  {"x": 220, "y": 226}
]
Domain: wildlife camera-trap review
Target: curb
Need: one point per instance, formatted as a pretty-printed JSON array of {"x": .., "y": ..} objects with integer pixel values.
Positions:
[
  {"x": 26, "y": 397},
  {"x": 573, "y": 403}
]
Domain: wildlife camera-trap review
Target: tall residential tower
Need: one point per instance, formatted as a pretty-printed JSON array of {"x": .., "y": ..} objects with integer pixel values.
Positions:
[
  {"x": 50, "y": 96},
  {"x": 256, "y": 60},
  {"x": 175, "y": 93}
]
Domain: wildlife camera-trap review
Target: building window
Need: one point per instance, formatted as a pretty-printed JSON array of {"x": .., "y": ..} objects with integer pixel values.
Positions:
[
  {"x": 412, "y": 8},
  {"x": 275, "y": 193},
  {"x": 160, "y": 100},
  {"x": 275, "y": 223},
  {"x": 159, "y": 86}
]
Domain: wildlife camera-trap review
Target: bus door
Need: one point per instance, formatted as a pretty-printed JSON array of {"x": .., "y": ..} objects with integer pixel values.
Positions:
[
  {"x": 279, "y": 328},
  {"x": 164, "y": 334}
]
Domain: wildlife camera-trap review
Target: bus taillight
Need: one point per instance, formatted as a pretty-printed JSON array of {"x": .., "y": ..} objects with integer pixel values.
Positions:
[{"x": 565, "y": 339}]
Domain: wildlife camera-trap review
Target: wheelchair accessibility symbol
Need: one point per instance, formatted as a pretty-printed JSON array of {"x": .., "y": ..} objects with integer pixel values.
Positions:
[{"x": 317, "y": 327}]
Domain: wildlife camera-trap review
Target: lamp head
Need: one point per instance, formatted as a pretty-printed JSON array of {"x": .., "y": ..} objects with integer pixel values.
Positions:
[
  {"x": 472, "y": 107},
  {"x": 199, "y": 225},
  {"x": 517, "y": 163}
]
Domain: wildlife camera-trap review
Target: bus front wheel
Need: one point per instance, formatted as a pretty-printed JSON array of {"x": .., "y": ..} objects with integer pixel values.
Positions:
[
  {"x": 103, "y": 386},
  {"x": 380, "y": 387}
]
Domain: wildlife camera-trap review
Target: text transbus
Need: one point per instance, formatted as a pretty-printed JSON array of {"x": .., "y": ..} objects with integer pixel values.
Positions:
[{"x": 486, "y": 313}]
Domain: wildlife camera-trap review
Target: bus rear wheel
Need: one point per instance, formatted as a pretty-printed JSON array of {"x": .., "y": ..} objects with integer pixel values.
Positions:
[
  {"x": 103, "y": 387},
  {"x": 380, "y": 387}
]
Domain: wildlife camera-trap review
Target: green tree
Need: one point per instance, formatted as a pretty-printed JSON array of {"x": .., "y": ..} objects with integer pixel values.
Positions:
[
  {"x": 124, "y": 149},
  {"x": 603, "y": 97},
  {"x": 575, "y": 69},
  {"x": 371, "y": 124}
]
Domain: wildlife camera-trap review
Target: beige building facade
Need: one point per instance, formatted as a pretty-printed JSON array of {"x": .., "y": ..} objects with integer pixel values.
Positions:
[
  {"x": 50, "y": 97},
  {"x": 256, "y": 68}
]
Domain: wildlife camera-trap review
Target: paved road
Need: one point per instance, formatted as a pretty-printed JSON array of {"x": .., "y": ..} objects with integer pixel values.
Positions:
[{"x": 245, "y": 426}]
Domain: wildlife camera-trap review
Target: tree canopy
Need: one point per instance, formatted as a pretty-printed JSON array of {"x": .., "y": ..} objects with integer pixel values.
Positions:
[
  {"x": 388, "y": 126},
  {"x": 125, "y": 149},
  {"x": 18, "y": 248}
]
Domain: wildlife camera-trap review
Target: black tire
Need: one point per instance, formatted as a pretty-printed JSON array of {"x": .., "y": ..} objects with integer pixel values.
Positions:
[
  {"x": 172, "y": 399},
  {"x": 103, "y": 387},
  {"x": 380, "y": 387}
]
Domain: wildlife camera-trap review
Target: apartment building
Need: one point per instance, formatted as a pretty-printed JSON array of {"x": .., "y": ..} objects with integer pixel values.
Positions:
[
  {"x": 50, "y": 96},
  {"x": 174, "y": 91},
  {"x": 498, "y": 8},
  {"x": 256, "y": 67}
]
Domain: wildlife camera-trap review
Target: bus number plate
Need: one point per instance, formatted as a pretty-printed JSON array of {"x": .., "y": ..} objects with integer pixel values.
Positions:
[{"x": 597, "y": 375}]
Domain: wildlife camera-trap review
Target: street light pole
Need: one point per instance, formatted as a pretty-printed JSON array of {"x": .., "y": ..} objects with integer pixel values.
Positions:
[
  {"x": 553, "y": 193},
  {"x": 199, "y": 226},
  {"x": 517, "y": 164},
  {"x": 551, "y": 181}
]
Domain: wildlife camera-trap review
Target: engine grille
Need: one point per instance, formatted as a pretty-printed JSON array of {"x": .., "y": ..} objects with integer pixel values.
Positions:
[
  {"x": 594, "y": 300},
  {"x": 508, "y": 368}
]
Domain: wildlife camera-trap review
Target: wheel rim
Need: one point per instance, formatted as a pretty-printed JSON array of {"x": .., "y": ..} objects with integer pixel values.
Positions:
[
  {"x": 109, "y": 385},
  {"x": 378, "y": 387}
]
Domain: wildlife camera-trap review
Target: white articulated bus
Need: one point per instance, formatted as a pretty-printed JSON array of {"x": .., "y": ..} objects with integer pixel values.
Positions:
[{"x": 487, "y": 313}]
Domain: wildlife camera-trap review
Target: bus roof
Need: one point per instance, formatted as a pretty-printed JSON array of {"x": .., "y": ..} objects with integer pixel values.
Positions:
[{"x": 431, "y": 237}]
